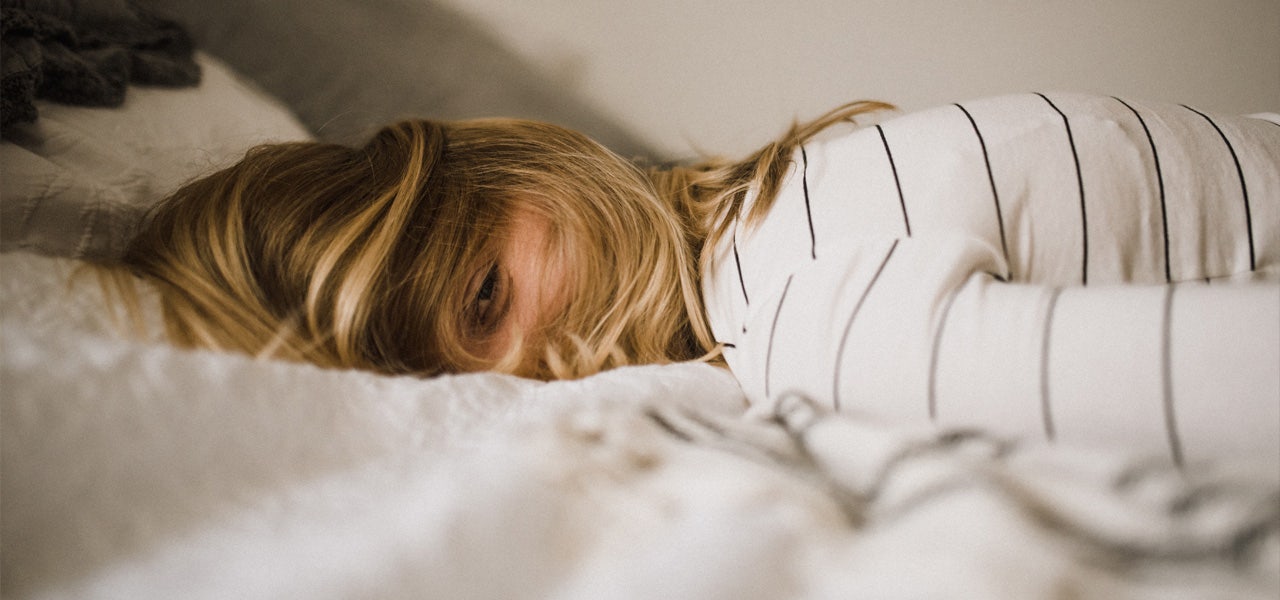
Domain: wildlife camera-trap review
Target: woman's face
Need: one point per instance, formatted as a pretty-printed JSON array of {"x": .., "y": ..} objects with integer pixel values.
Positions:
[{"x": 520, "y": 292}]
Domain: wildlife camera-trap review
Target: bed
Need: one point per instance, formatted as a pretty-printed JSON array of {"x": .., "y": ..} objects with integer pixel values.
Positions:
[{"x": 133, "y": 469}]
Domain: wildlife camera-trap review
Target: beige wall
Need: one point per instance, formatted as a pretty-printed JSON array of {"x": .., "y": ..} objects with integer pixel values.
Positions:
[{"x": 726, "y": 75}]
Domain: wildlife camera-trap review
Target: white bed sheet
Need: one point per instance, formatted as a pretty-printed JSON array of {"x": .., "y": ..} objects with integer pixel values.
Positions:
[{"x": 135, "y": 470}]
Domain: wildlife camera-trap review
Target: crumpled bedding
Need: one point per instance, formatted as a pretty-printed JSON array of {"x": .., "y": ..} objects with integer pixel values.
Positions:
[
  {"x": 134, "y": 469},
  {"x": 77, "y": 182},
  {"x": 86, "y": 53}
]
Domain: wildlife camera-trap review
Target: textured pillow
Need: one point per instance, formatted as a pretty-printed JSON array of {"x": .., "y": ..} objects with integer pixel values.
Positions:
[
  {"x": 76, "y": 182},
  {"x": 347, "y": 67}
]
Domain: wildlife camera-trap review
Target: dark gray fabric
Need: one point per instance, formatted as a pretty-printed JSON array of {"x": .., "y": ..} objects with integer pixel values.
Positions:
[
  {"x": 85, "y": 52},
  {"x": 349, "y": 66}
]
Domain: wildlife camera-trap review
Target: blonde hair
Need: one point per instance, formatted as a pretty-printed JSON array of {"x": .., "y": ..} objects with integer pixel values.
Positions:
[
  {"x": 364, "y": 257},
  {"x": 710, "y": 194}
]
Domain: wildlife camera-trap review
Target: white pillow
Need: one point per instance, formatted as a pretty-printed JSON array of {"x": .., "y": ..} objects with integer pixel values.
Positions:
[{"x": 76, "y": 182}]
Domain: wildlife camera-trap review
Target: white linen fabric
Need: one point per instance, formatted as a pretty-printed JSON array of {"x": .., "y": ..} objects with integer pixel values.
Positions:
[
  {"x": 78, "y": 180},
  {"x": 1076, "y": 268},
  {"x": 133, "y": 469}
]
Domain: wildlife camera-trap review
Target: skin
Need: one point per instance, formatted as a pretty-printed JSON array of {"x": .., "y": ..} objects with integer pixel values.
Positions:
[{"x": 521, "y": 292}]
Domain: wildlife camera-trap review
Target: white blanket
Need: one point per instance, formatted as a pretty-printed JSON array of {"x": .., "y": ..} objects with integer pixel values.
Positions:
[{"x": 135, "y": 470}]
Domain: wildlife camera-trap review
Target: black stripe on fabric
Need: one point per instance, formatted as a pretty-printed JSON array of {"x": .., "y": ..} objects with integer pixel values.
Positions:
[
  {"x": 896, "y": 182},
  {"x": 848, "y": 326},
  {"x": 986, "y": 160},
  {"x": 804, "y": 181},
  {"x": 1084, "y": 217},
  {"x": 728, "y": 345},
  {"x": 738, "y": 263},
  {"x": 1164, "y": 215},
  {"x": 1166, "y": 377},
  {"x": 933, "y": 357},
  {"x": 1046, "y": 408},
  {"x": 1244, "y": 190},
  {"x": 768, "y": 353},
  {"x": 666, "y": 425}
]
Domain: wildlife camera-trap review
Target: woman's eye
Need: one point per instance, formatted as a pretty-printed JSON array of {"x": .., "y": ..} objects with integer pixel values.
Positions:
[
  {"x": 488, "y": 286},
  {"x": 486, "y": 306}
]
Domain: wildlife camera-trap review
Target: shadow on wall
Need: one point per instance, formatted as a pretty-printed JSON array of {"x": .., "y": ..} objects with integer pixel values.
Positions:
[{"x": 376, "y": 61}]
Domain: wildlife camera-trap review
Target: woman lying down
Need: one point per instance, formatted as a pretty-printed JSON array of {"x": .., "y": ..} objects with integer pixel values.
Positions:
[{"x": 1072, "y": 267}]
